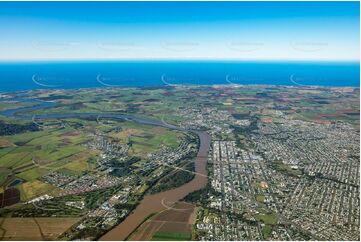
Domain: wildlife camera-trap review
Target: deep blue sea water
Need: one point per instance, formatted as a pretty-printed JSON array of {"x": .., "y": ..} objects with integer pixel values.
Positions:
[{"x": 43, "y": 75}]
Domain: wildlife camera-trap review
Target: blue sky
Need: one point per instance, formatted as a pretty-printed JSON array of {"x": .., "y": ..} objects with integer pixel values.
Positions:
[{"x": 180, "y": 30}]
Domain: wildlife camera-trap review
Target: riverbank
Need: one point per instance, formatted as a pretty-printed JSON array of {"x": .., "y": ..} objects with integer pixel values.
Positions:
[
  {"x": 151, "y": 203},
  {"x": 160, "y": 201}
]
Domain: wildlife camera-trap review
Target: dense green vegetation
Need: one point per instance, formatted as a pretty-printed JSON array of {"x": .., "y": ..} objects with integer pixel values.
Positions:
[
  {"x": 58, "y": 207},
  {"x": 285, "y": 169},
  {"x": 174, "y": 179},
  {"x": 10, "y": 129},
  {"x": 170, "y": 236},
  {"x": 268, "y": 218}
]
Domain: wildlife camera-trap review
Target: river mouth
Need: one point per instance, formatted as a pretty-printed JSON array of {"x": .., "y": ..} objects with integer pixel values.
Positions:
[{"x": 157, "y": 202}]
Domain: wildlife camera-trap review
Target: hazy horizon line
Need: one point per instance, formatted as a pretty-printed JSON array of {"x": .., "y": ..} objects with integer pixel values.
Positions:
[{"x": 177, "y": 59}]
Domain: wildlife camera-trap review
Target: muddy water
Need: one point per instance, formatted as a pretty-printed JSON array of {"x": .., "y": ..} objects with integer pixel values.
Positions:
[
  {"x": 160, "y": 201},
  {"x": 150, "y": 203}
]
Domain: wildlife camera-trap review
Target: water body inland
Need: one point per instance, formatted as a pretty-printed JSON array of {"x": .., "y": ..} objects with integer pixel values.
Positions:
[
  {"x": 151, "y": 203},
  {"x": 163, "y": 200}
]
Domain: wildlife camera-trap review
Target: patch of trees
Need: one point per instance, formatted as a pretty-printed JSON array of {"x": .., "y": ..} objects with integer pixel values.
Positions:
[
  {"x": 76, "y": 106},
  {"x": 244, "y": 131},
  {"x": 151, "y": 100},
  {"x": 201, "y": 196},
  {"x": 57, "y": 206},
  {"x": 89, "y": 232},
  {"x": 262, "y": 94},
  {"x": 55, "y": 97},
  {"x": 127, "y": 162},
  {"x": 248, "y": 129},
  {"x": 240, "y": 115},
  {"x": 11, "y": 129},
  {"x": 157, "y": 87},
  {"x": 95, "y": 198},
  {"x": 128, "y": 206},
  {"x": 133, "y": 107},
  {"x": 122, "y": 168},
  {"x": 192, "y": 138},
  {"x": 174, "y": 179}
]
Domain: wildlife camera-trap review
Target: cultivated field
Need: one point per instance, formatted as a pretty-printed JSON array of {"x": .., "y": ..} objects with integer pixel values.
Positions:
[
  {"x": 31, "y": 155},
  {"x": 174, "y": 223},
  {"x": 34, "y": 228}
]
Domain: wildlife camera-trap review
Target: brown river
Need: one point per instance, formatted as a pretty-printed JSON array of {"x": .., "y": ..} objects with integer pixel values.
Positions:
[
  {"x": 163, "y": 200},
  {"x": 150, "y": 203}
]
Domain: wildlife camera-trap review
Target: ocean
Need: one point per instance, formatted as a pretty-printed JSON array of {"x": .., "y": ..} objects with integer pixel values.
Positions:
[{"x": 18, "y": 76}]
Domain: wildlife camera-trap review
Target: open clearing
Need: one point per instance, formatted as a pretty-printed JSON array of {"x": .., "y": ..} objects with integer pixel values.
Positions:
[
  {"x": 170, "y": 224},
  {"x": 34, "y": 228}
]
